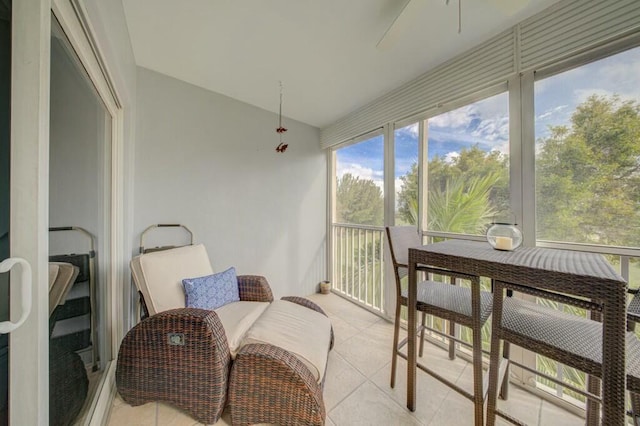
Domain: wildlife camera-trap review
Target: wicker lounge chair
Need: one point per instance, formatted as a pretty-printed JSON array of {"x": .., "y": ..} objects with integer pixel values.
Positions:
[
  {"x": 183, "y": 356},
  {"x": 180, "y": 355},
  {"x": 449, "y": 302}
]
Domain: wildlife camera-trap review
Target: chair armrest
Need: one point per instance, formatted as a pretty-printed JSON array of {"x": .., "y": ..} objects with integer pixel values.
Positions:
[
  {"x": 304, "y": 302},
  {"x": 254, "y": 288},
  {"x": 180, "y": 356}
]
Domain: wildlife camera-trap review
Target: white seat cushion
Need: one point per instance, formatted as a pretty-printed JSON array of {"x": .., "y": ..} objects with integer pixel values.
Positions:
[
  {"x": 297, "y": 329},
  {"x": 159, "y": 275},
  {"x": 62, "y": 276},
  {"x": 237, "y": 318}
]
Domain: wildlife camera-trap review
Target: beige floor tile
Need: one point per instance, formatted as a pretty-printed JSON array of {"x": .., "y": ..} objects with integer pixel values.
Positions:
[
  {"x": 368, "y": 405},
  {"x": 430, "y": 393},
  {"x": 382, "y": 330},
  {"x": 171, "y": 416},
  {"x": 364, "y": 353},
  {"x": 342, "y": 330},
  {"x": 331, "y": 303},
  {"x": 551, "y": 414},
  {"x": 522, "y": 405},
  {"x": 117, "y": 400},
  {"x": 455, "y": 410},
  {"x": 124, "y": 414},
  {"x": 437, "y": 359},
  {"x": 225, "y": 420},
  {"x": 342, "y": 379},
  {"x": 465, "y": 381},
  {"x": 347, "y": 311}
]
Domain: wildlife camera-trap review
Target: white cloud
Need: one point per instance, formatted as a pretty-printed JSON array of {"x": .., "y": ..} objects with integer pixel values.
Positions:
[
  {"x": 624, "y": 76},
  {"x": 410, "y": 130},
  {"x": 574, "y": 74},
  {"x": 491, "y": 130},
  {"x": 457, "y": 118},
  {"x": 451, "y": 156},
  {"x": 581, "y": 95},
  {"x": 377, "y": 176},
  {"x": 551, "y": 112},
  {"x": 485, "y": 123}
]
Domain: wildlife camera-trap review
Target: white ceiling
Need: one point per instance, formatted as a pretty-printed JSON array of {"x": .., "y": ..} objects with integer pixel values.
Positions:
[{"x": 323, "y": 51}]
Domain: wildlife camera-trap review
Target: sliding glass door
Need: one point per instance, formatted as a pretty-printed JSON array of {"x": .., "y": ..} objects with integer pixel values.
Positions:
[
  {"x": 64, "y": 150},
  {"x": 79, "y": 232}
]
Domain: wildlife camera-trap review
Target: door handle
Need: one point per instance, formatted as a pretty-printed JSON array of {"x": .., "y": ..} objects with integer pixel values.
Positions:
[{"x": 5, "y": 266}]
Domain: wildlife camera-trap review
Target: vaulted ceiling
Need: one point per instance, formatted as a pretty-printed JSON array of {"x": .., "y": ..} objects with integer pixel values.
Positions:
[{"x": 327, "y": 53}]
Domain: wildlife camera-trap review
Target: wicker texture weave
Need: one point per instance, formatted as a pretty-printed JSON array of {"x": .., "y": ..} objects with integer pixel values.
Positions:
[
  {"x": 270, "y": 385},
  {"x": 254, "y": 288},
  {"x": 191, "y": 376}
]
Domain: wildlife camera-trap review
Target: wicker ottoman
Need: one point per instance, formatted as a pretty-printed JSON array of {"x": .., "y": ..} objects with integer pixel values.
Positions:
[
  {"x": 180, "y": 357},
  {"x": 271, "y": 384}
]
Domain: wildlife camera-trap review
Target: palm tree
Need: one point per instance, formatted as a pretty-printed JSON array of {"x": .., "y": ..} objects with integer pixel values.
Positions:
[{"x": 462, "y": 206}]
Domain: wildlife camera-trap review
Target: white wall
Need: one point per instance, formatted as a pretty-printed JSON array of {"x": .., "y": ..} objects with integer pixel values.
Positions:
[{"x": 209, "y": 162}]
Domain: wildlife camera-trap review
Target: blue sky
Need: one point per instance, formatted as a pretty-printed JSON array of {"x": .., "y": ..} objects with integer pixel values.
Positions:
[{"x": 486, "y": 123}]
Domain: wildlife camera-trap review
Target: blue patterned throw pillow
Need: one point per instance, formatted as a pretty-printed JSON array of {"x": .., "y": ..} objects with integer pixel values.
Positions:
[{"x": 211, "y": 291}]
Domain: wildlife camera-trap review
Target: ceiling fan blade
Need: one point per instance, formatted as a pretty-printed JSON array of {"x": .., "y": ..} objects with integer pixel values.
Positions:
[{"x": 402, "y": 21}]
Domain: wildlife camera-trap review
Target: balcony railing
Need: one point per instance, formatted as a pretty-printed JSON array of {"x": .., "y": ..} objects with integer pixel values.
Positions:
[{"x": 358, "y": 267}]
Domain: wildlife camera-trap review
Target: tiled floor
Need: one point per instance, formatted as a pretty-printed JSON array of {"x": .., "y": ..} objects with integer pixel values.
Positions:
[{"x": 357, "y": 388}]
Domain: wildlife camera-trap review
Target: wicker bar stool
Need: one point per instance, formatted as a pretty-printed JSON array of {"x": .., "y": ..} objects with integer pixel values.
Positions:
[
  {"x": 633, "y": 382},
  {"x": 450, "y": 302},
  {"x": 566, "y": 338}
]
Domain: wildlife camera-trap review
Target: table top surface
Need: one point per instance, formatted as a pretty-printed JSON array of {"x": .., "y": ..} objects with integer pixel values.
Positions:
[{"x": 479, "y": 257}]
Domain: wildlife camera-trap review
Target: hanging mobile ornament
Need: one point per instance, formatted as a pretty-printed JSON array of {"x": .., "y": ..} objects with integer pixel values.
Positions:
[
  {"x": 282, "y": 147},
  {"x": 459, "y": 14}
]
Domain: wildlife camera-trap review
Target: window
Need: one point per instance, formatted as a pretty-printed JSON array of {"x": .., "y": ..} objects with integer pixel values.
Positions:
[
  {"x": 360, "y": 183},
  {"x": 357, "y": 232},
  {"x": 468, "y": 166},
  {"x": 407, "y": 142},
  {"x": 587, "y": 130}
]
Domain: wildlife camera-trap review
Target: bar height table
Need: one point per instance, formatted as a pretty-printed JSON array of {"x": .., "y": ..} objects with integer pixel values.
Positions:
[{"x": 544, "y": 268}]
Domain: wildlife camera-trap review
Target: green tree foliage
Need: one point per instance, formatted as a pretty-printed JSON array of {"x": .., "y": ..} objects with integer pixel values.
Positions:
[
  {"x": 462, "y": 206},
  {"x": 588, "y": 181},
  {"x": 359, "y": 201},
  {"x": 407, "y": 198},
  {"x": 464, "y": 193}
]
